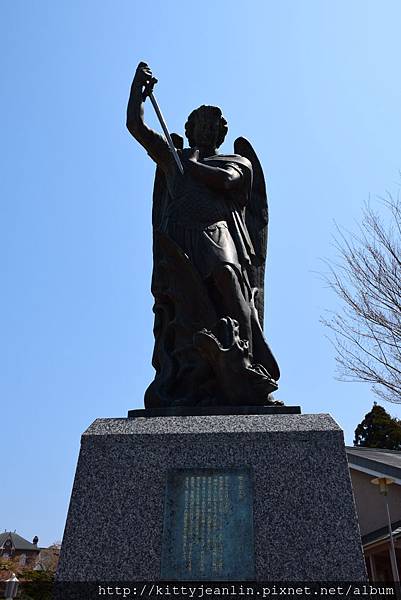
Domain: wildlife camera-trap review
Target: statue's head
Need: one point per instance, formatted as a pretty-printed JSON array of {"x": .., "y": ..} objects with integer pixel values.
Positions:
[{"x": 206, "y": 126}]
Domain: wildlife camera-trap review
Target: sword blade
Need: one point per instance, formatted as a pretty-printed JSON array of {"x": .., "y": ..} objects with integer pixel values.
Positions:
[{"x": 166, "y": 132}]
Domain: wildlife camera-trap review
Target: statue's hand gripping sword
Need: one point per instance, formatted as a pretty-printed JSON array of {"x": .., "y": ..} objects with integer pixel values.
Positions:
[{"x": 148, "y": 91}]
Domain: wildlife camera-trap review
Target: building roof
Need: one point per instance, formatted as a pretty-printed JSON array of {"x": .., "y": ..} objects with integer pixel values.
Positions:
[
  {"x": 19, "y": 542},
  {"x": 375, "y": 461},
  {"x": 382, "y": 534}
]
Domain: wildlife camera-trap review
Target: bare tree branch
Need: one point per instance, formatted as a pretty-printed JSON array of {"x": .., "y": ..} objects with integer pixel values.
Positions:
[{"x": 367, "y": 279}]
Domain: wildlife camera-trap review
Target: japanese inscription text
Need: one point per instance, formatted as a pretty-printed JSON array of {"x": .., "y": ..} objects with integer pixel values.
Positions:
[{"x": 208, "y": 525}]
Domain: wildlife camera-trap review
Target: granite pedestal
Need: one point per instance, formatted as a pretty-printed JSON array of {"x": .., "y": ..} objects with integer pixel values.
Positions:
[{"x": 304, "y": 522}]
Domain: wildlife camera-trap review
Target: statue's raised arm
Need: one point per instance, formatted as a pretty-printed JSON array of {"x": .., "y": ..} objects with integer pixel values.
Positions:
[
  {"x": 155, "y": 144},
  {"x": 210, "y": 236}
]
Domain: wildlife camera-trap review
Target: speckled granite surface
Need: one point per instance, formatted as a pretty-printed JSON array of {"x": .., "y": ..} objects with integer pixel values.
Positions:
[{"x": 305, "y": 525}]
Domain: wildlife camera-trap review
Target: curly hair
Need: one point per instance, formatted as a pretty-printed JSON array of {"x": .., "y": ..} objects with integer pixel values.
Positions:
[{"x": 202, "y": 112}]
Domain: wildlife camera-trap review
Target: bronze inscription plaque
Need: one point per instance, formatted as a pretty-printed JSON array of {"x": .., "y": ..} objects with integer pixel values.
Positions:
[{"x": 208, "y": 525}]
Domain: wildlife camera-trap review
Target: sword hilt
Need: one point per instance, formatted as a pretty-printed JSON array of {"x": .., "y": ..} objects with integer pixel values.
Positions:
[{"x": 148, "y": 89}]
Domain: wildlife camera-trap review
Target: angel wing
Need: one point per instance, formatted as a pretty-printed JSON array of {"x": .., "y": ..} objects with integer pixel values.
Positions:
[
  {"x": 160, "y": 188},
  {"x": 257, "y": 220},
  {"x": 159, "y": 203}
]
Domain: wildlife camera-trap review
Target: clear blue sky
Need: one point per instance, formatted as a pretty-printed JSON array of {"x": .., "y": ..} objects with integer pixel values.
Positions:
[{"x": 314, "y": 85}]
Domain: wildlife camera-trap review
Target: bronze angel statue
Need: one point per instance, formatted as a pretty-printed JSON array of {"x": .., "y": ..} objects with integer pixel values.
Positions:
[{"x": 209, "y": 252}]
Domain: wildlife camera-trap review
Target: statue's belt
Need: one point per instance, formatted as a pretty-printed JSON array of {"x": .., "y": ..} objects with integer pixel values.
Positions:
[{"x": 169, "y": 220}]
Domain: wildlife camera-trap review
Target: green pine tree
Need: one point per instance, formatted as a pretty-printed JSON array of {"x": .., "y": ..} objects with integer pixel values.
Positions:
[{"x": 378, "y": 430}]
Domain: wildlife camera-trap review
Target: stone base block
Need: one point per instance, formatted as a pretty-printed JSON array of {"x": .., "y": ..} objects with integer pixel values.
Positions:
[{"x": 304, "y": 521}]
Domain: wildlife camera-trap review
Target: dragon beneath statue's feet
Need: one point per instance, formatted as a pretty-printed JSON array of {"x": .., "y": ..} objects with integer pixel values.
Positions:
[{"x": 230, "y": 359}]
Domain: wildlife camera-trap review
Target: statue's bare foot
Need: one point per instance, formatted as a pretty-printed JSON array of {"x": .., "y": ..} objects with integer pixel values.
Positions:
[{"x": 271, "y": 401}]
